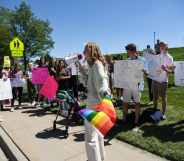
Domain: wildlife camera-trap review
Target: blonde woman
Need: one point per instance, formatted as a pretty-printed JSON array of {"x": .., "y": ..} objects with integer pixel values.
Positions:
[{"x": 98, "y": 87}]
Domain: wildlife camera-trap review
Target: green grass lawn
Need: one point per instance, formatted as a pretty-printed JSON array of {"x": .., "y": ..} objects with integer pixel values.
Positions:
[{"x": 166, "y": 138}]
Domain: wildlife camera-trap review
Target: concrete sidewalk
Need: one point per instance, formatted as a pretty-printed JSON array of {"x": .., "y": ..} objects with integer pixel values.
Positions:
[{"x": 31, "y": 130}]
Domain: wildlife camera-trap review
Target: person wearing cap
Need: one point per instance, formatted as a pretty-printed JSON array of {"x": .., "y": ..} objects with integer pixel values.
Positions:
[
  {"x": 133, "y": 94},
  {"x": 160, "y": 81},
  {"x": 147, "y": 54}
]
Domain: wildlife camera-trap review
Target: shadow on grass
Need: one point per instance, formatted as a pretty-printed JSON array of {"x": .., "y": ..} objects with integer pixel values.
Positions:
[
  {"x": 120, "y": 127},
  {"x": 171, "y": 132},
  {"x": 50, "y": 133}
]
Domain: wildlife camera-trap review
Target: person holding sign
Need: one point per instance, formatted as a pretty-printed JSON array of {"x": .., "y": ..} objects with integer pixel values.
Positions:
[
  {"x": 133, "y": 94},
  {"x": 17, "y": 83},
  {"x": 63, "y": 76},
  {"x": 1, "y": 102},
  {"x": 5, "y": 77},
  {"x": 30, "y": 86},
  {"x": 160, "y": 80}
]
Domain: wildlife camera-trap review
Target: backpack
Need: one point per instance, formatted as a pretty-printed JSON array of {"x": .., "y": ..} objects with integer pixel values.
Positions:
[{"x": 151, "y": 115}]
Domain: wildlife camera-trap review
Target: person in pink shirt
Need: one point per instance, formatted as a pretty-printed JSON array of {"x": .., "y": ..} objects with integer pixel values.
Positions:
[{"x": 160, "y": 81}]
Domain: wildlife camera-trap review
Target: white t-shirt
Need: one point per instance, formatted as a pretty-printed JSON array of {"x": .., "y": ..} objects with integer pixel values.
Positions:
[
  {"x": 74, "y": 69},
  {"x": 167, "y": 60}
]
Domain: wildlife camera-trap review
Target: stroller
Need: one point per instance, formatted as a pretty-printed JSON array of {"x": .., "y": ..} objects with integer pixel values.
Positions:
[{"x": 68, "y": 108}]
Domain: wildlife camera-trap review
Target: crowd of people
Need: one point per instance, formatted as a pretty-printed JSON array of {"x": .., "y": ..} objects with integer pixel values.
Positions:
[
  {"x": 97, "y": 73},
  {"x": 59, "y": 69}
]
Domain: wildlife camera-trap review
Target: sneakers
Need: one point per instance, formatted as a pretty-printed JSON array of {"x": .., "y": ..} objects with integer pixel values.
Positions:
[
  {"x": 164, "y": 117},
  {"x": 150, "y": 103},
  {"x": 33, "y": 103},
  {"x": 12, "y": 109},
  {"x": 121, "y": 98},
  {"x": 136, "y": 127},
  {"x": 19, "y": 107},
  {"x": 38, "y": 104}
]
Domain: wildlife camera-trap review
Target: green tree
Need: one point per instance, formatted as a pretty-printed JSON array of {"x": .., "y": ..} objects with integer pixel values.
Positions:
[
  {"x": 5, "y": 16},
  {"x": 34, "y": 32}
]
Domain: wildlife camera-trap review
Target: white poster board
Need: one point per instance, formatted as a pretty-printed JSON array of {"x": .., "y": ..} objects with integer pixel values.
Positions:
[
  {"x": 71, "y": 59},
  {"x": 154, "y": 65},
  {"x": 128, "y": 73},
  {"x": 71, "y": 62},
  {"x": 5, "y": 89},
  {"x": 179, "y": 73}
]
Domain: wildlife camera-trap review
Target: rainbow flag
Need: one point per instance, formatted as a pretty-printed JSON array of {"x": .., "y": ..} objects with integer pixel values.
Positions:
[
  {"x": 103, "y": 117},
  {"x": 107, "y": 107}
]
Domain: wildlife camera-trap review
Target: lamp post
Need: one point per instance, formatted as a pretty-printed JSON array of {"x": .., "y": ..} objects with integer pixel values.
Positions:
[{"x": 154, "y": 38}]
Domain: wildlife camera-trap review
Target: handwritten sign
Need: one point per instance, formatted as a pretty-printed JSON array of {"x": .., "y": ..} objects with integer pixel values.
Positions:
[
  {"x": 49, "y": 88},
  {"x": 39, "y": 75},
  {"x": 6, "y": 61},
  {"x": 5, "y": 89},
  {"x": 128, "y": 73},
  {"x": 179, "y": 73}
]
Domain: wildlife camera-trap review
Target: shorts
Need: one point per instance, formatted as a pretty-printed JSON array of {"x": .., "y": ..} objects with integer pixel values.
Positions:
[
  {"x": 131, "y": 95},
  {"x": 159, "y": 89}
]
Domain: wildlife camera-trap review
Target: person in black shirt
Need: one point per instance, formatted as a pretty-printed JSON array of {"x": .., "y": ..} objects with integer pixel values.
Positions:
[{"x": 63, "y": 76}]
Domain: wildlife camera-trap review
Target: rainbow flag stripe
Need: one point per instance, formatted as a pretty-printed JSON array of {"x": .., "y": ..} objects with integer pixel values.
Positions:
[
  {"x": 107, "y": 106},
  {"x": 103, "y": 117},
  {"x": 98, "y": 119}
]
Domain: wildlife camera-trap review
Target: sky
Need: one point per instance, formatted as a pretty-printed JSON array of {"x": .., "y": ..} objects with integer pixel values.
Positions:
[{"x": 110, "y": 23}]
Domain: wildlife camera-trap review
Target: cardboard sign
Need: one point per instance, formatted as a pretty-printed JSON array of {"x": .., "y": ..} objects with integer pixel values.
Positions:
[
  {"x": 16, "y": 47},
  {"x": 6, "y": 62},
  {"x": 128, "y": 73},
  {"x": 5, "y": 89},
  {"x": 49, "y": 88},
  {"x": 39, "y": 75},
  {"x": 179, "y": 73}
]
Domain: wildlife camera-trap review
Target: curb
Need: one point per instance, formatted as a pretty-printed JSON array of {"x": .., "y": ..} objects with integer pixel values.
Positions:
[
  {"x": 10, "y": 148},
  {"x": 3, "y": 156}
]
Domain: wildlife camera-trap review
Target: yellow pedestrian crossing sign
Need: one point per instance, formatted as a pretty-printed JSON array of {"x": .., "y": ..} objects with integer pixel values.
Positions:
[{"x": 16, "y": 47}]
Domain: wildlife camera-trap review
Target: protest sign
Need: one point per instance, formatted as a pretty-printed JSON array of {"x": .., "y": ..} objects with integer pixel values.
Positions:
[
  {"x": 49, "y": 88},
  {"x": 179, "y": 73},
  {"x": 6, "y": 61},
  {"x": 71, "y": 59},
  {"x": 154, "y": 66},
  {"x": 128, "y": 73},
  {"x": 5, "y": 89},
  {"x": 39, "y": 75},
  {"x": 148, "y": 57}
]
